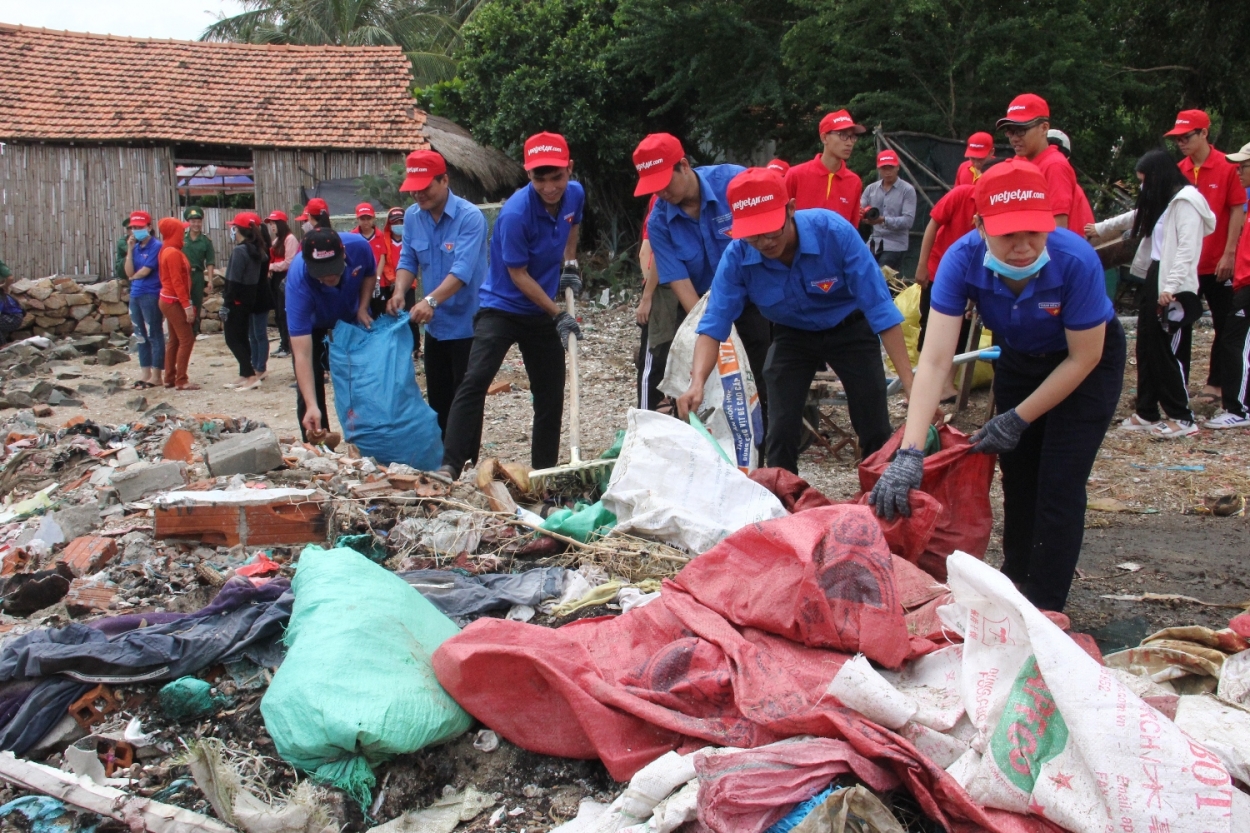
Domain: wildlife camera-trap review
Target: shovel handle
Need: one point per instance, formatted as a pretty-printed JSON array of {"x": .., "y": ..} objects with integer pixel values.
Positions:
[{"x": 575, "y": 416}]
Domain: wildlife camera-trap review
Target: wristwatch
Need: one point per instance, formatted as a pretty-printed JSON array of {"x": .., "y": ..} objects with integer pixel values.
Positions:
[{"x": 429, "y": 299}]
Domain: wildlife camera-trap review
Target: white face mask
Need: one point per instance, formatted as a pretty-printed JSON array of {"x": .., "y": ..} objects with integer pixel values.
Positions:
[{"x": 307, "y": 226}]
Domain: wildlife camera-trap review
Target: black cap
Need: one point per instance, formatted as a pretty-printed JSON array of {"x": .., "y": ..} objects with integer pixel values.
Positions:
[{"x": 323, "y": 253}]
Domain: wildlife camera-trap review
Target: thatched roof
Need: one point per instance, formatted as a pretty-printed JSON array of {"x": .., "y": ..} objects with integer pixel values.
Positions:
[{"x": 496, "y": 173}]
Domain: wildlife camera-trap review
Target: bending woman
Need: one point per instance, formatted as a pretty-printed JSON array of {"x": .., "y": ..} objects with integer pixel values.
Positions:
[{"x": 1057, "y": 384}]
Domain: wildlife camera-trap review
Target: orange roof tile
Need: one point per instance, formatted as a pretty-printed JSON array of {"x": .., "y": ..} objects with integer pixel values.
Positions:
[{"x": 77, "y": 87}]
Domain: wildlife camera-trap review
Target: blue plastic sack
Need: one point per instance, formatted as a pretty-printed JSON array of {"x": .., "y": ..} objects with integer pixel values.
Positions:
[{"x": 376, "y": 395}]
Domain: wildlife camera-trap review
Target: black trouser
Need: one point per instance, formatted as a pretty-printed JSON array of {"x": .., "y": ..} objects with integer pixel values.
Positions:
[
  {"x": 494, "y": 333},
  {"x": 651, "y": 364},
  {"x": 854, "y": 352},
  {"x": 320, "y": 366},
  {"x": 926, "y": 293},
  {"x": 1044, "y": 476},
  {"x": 238, "y": 327},
  {"x": 1236, "y": 362},
  {"x": 892, "y": 259},
  {"x": 446, "y": 363},
  {"x": 1219, "y": 295},
  {"x": 277, "y": 288},
  {"x": 377, "y": 308},
  {"x": 1163, "y": 348}
]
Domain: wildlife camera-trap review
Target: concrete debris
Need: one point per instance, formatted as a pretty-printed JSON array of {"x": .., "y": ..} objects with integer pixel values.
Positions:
[
  {"x": 255, "y": 452},
  {"x": 140, "y": 480}
]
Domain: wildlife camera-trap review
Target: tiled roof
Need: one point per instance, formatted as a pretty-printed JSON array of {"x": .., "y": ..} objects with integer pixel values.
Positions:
[{"x": 76, "y": 87}]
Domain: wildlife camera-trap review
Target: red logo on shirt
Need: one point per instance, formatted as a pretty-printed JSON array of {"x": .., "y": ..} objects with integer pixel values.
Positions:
[
  {"x": 449, "y": 245},
  {"x": 825, "y": 285},
  {"x": 1052, "y": 307}
]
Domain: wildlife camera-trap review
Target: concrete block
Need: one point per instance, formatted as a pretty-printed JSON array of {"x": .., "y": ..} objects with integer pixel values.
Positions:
[
  {"x": 255, "y": 452},
  {"x": 136, "y": 482},
  {"x": 77, "y": 521}
]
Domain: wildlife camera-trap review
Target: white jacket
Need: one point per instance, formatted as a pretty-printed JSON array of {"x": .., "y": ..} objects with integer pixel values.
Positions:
[{"x": 1188, "y": 221}]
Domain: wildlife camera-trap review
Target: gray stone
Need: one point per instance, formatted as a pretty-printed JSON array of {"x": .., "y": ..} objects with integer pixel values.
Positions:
[
  {"x": 88, "y": 344},
  {"x": 107, "y": 356},
  {"x": 137, "y": 403},
  {"x": 20, "y": 369},
  {"x": 158, "y": 410},
  {"x": 68, "y": 372},
  {"x": 70, "y": 402},
  {"x": 56, "y": 398},
  {"x": 76, "y": 521},
  {"x": 90, "y": 389},
  {"x": 255, "y": 452},
  {"x": 64, "y": 352},
  {"x": 18, "y": 399},
  {"x": 138, "y": 481},
  {"x": 38, "y": 391}
]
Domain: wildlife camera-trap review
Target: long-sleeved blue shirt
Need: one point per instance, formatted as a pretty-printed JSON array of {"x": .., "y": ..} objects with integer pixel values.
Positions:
[
  {"x": 455, "y": 245},
  {"x": 833, "y": 275}
]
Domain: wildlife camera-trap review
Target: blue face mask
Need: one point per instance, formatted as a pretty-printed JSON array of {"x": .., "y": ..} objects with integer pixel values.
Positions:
[
  {"x": 141, "y": 234},
  {"x": 397, "y": 232},
  {"x": 1016, "y": 273}
]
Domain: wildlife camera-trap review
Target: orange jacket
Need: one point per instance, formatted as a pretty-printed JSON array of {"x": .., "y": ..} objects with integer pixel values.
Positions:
[{"x": 174, "y": 266}]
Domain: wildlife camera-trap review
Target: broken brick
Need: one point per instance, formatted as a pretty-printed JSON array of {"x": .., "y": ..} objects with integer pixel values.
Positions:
[
  {"x": 86, "y": 597},
  {"x": 88, "y": 554},
  {"x": 13, "y": 561},
  {"x": 179, "y": 446},
  {"x": 499, "y": 387},
  {"x": 253, "y": 519},
  {"x": 93, "y": 706},
  {"x": 42, "y": 411}
]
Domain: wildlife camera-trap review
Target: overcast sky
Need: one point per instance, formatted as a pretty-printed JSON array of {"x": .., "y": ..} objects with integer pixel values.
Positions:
[{"x": 180, "y": 19}]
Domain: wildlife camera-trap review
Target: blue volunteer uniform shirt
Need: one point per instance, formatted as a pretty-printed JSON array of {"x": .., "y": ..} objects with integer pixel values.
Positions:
[
  {"x": 311, "y": 305},
  {"x": 832, "y": 276},
  {"x": 147, "y": 254},
  {"x": 686, "y": 248},
  {"x": 455, "y": 245},
  {"x": 1069, "y": 293},
  {"x": 526, "y": 235}
]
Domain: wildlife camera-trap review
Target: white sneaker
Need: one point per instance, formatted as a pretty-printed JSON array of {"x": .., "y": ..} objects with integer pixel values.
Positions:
[
  {"x": 1225, "y": 419},
  {"x": 254, "y": 383},
  {"x": 1183, "y": 428},
  {"x": 1136, "y": 423}
]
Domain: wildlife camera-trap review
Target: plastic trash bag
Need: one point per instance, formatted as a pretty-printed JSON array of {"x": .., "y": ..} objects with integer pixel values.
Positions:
[
  {"x": 376, "y": 395},
  {"x": 736, "y": 419},
  {"x": 1062, "y": 736},
  {"x": 357, "y": 686},
  {"x": 585, "y": 523},
  {"x": 670, "y": 484}
]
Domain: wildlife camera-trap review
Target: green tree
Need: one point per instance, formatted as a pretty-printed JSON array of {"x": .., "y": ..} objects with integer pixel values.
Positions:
[
  {"x": 427, "y": 30},
  {"x": 546, "y": 65}
]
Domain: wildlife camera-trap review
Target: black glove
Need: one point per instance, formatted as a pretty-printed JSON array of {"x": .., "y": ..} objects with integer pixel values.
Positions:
[
  {"x": 571, "y": 277},
  {"x": 1002, "y": 433},
  {"x": 890, "y": 496},
  {"x": 566, "y": 325}
]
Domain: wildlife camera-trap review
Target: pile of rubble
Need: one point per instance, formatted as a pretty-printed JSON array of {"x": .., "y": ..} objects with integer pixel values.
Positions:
[
  {"x": 39, "y": 374},
  {"x": 60, "y": 306}
]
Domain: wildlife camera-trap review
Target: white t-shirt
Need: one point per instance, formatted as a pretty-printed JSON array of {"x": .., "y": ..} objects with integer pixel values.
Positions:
[{"x": 1156, "y": 236}]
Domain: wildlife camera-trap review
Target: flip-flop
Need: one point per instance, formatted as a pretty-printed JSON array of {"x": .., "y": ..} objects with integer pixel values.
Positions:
[{"x": 141, "y": 385}]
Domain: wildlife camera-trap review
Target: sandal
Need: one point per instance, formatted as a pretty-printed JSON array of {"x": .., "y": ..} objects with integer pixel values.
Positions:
[
  {"x": 142, "y": 385},
  {"x": 189, "y": 386},
  {"x": 1136, "y": 423},
  {"x": 1183, "y": 428}
]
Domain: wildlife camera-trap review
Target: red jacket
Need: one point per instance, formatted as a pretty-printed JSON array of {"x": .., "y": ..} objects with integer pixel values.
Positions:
[{"x": 174, "y": 267}]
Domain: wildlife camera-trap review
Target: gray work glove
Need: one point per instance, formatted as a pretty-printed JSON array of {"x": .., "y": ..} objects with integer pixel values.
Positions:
[
  {"x": 566, "y": 325},
  {"x": 571, "y": 277},
  {"x": 890, "y": 496},
  {"x": 1002, "y": 433},
  {"x": 223, "y": 313}
]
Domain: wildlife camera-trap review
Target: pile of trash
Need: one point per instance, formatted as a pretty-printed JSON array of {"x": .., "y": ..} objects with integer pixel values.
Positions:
[{"x": 207, "y": 626}]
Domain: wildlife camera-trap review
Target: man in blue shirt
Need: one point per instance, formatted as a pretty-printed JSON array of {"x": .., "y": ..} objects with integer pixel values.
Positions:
[
  {"x": 812, "y": 276},
  {"x": 331, "y": 281},
  {"x": 444, "y": 239},
  {"x": 533, "y": 255},
  {"x": 689, "y": 231}
]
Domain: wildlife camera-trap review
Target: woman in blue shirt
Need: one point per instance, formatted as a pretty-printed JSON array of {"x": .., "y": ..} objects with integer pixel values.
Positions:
[{"x": 1056, "y": 386}]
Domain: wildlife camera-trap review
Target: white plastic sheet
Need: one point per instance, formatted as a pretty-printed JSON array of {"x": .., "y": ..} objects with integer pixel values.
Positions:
[
  {"x": 1061, "y": 735},
  {"x": 670, "y": 484}
]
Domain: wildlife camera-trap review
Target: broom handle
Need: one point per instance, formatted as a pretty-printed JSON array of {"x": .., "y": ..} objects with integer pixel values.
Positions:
[{"x": 575, "y": 420}]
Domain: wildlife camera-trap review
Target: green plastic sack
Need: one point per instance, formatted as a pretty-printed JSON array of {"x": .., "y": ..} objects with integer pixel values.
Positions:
[
  {"x": 187, "y": 698},
  {"x": 357, "y": 687},
  {"x": 584, "y": 523}
]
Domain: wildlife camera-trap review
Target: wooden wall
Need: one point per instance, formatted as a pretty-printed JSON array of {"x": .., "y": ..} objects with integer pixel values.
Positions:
[
  {"x": 280, "y": 174},
  {"x": 61, "y": 207}
]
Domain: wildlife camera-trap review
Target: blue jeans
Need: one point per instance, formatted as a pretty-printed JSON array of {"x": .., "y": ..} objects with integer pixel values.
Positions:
[
  {"x": 258, "y": 333},
  {"x": 149, "y": 332}
]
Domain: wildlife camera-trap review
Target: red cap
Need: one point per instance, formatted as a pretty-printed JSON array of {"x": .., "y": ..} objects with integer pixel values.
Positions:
[
  {"x": 757, "y": 199},
  {"x": 1188, "y": 121},
  {"x": 365, "y": 210},
  {"x": 654, "y": 159},
  {"x": 1011, "y": 197},
  {"x": 778, "y": 165},
  {"x": 546, "y": 150},
  {"x": 316, "y": 206},
  {"x": 245, "y": 219},
  {"x": 278, "y": 215},
  {"x": 422, "y": 167},
  {"x": 1025, "y": 108},
  {"x": 980, "y": 146},
  {"x": 303, "y": 218},
  {"x": 839, "y": 121},
  {"x": 887, "y": 157},
  {"x": 140, "y": 218}
]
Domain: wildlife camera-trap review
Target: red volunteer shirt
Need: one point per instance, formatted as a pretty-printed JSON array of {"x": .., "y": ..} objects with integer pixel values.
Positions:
[
  {"x": 1066, "y": 196},
  {"x": 1218, "y": 181},
  {"x": 964, "y": 175},
  {"x": 953, "y": 214},
  {"x": 1241, "y": 267},
  {"x": 811, "y": 185},
  {"x": 377, "y": 243}
]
